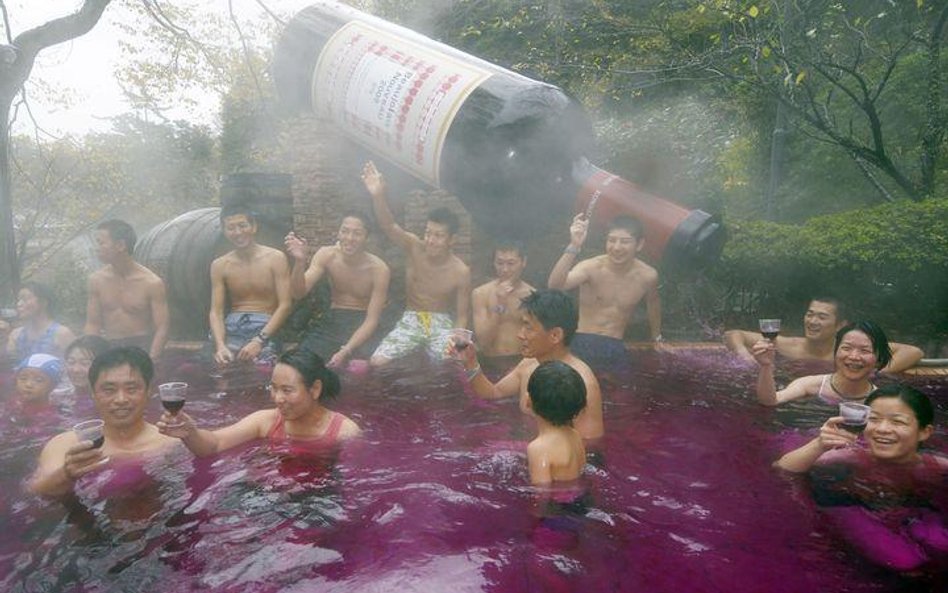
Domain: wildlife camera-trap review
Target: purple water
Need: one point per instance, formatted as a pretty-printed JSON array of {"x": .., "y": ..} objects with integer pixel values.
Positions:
[{"x": 435, "y": 498}]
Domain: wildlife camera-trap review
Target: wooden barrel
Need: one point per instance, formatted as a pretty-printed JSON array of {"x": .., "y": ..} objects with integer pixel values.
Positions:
[{"x": 181, "y": 250}]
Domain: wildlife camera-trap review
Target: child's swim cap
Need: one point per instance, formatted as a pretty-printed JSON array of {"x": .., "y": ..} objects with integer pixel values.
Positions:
[{"x": 48, "y": 364}]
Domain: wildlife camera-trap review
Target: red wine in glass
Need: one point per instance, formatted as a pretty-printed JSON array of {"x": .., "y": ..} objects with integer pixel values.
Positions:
[
  {"x": 173, "y": 405},
  {"x": 853, "y": 428},
  {"x": 98, "y": 441},
  {"x": 769, "y": 328}
]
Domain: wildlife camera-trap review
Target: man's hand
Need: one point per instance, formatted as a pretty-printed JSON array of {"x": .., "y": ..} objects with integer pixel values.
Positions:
[
  {"x": 373, "y": 180},
  {"x": 339, "y": 358},
  {"x": 223, "y": 356},
  {"x": 295, "y": 246},
  {"x": 578, "y": 230},
  {"x": 250, "y": 350},
  {"x": 82, "y": 459},
  {"x": 765, "y": 352}
]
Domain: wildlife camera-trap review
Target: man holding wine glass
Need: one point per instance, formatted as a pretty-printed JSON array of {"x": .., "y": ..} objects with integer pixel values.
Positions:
[
  {"x": 823, "y": 318},
  {"x": 120, "y": 378}
]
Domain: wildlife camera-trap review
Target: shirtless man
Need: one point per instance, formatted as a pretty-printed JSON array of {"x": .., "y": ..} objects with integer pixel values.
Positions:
[
  {"x": 610, "y": 287},
  {"x": 823, "y": 318},
  {"x": 437, "y": 282},
  {"x": 496, "y": 303},
  {"x": 120, "y": 378},
  {"x": 548, "y": 321},
  {"x": 127, "y": 302},
  {"x": 358, "y": 284},
  {"x": 255, "y": 280}
]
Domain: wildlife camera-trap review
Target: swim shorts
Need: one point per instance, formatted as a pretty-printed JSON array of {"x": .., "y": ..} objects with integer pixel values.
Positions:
[
  {"x": 333, "y": 329},
  {"x": 601, "y": 353},
  {"x": 241, "y": 327},
  {"x": 414, "y": 330}
]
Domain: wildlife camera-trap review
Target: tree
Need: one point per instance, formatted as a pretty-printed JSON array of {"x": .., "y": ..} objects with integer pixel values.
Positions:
[{"x": 16, "y": 64}]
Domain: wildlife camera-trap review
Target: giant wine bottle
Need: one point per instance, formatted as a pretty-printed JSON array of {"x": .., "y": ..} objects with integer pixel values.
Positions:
[{"x": 511, "y": 148}]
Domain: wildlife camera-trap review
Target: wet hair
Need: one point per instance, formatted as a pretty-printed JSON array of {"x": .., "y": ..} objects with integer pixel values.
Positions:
[
  {"x": 119, "y": 230},
  {"x": 360, "y": 215},
  {"x": 312, "y": 368},
  {"x": 627, "y": 223},
  {"x": 842, "y": 312},
  {"x": 113, "y": 358},
  {"x": 93, "y": 344},
  {"x": 237, "y": 209},
  {"x": 919, "y": 402},
  {"x": 557, "y": 392},
  {"x": 880, "y": 343},
  {"x": 553, "y": 308},
  {"x": 42, "y": 292},
  {"x": 510, "y": 245},
  {"x": 445, "y": 216}
]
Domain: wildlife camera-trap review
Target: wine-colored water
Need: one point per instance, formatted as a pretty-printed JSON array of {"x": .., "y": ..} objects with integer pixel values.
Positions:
[{"x": 681, "y": 497}]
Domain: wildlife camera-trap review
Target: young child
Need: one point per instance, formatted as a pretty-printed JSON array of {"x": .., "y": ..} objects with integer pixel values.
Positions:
[
  {"x": 557, "y": 395},
  {"x": 36, "y": 377}
]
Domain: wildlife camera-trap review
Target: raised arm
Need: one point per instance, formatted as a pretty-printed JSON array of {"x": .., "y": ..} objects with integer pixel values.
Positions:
[
  {"x": 562, "y": 277},
  {"x": 509, "y": 386},
  {"x": 160, "y": 317},
  {"x": 764, "y": 353},
  {"x": 904, "y": 356},
  {"x": 303, "y": 278},
  {"x": 375, "y": 184},
  {"x": 381, "y": 275},
  {"x": 64, "y": 460},
  {"x": 203, "y": 442},
  {"x": 831, "y": 437}
]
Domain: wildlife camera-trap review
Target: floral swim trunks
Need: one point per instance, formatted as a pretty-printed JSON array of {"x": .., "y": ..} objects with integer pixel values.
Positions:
[{"x": 414, "y": 330}]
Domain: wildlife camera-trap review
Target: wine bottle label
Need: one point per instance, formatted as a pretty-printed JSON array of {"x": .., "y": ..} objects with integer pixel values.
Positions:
[{"x": 391, "y": 94}]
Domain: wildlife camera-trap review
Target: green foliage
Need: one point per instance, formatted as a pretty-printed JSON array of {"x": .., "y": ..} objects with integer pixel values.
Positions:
[{"x": 887, "y": 262}]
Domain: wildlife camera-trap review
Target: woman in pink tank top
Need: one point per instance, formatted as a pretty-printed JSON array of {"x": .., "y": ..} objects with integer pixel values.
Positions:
[
  {"x": 887, "y": 499},
  {"x": 298, "y": 386}
]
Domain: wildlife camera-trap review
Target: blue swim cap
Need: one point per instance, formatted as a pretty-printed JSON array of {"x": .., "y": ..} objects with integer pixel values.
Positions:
[{"x": 48, "y": 364}]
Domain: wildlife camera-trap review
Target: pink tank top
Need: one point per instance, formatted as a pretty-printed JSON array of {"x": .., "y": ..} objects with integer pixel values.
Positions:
[{"x": 329, "y": 438}]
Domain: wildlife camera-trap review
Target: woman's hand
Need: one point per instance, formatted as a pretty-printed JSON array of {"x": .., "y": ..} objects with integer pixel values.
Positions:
[
  {"x": 179, "y": 426},
  {"x": 834, "y": 437}
]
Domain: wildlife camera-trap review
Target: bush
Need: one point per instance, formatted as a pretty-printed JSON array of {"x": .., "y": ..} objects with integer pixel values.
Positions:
[{"x": 888, "y": 263}]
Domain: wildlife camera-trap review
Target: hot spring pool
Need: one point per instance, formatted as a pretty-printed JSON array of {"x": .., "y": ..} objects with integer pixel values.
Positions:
[{"x": 681, "y": 499}]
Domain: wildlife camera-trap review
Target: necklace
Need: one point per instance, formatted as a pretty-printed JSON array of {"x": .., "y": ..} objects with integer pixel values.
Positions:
[{"x": 846, "y": 395}]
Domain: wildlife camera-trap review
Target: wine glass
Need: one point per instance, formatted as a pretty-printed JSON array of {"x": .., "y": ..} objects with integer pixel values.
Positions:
[
  {"x": 855, "y": 416},
  {"x": 173, "y": 396},
  {"x": 90, "y": 430},
  {"x": 769, "y": 328}
]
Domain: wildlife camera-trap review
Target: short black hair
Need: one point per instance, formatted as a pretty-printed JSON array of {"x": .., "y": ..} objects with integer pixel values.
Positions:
[
  {"x": 92, "y": 343},
  {"x": 43, "y": 293},
  {"x": 919, "y": 402},
  {"x": 312, "y": 368},
  {"x": 447, "y": 217},
  {"x": 880, "y": 343},
  {"x": 553, "y": 308},
  {"x": 842, "y": 311},
  {"x": 113, "y": 358},
  {"x": 510, "y": 245},
  {"x": 627, "y": 223},
  {"x": 119, "y": 230},
  {"x": 236, "y": 209},
  {"x": 557, "y": 392},
  {"x": 360, "y": 215}
]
